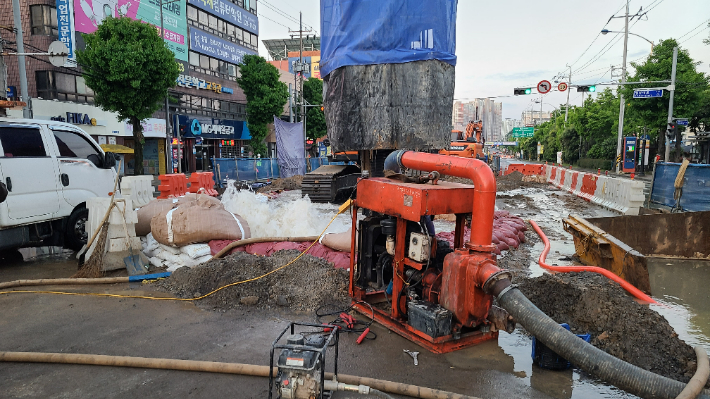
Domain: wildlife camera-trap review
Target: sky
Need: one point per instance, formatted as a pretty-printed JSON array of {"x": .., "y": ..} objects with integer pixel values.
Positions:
[{"x": 518, "y": 43}]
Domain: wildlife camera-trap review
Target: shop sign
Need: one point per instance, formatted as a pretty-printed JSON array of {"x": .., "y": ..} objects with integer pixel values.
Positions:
[
  {"x": 191, "y": 81},
  {"x": 76, "y": 118},
  {"x": 65, "y": 28},
  {"x": 217, "y": 129},
  {"x": 226, "y": 10}
]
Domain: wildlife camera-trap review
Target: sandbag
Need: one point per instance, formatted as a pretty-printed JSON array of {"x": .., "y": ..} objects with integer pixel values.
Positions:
[
  {"x": 196, "y": 222},
  {"x": 156, "y": 206},
  {"x": 338, "y": 241}
]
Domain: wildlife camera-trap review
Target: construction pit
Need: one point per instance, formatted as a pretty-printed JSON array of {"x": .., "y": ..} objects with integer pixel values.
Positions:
[{"x": 239, "y": 323}]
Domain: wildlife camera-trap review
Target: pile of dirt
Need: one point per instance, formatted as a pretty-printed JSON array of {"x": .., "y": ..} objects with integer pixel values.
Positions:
[
  {"x": 289, "y": 183},
  {"x": 590, "y": 303},
  {"x": 510, "y": 182},
  {"x": 303, "y": 286}
]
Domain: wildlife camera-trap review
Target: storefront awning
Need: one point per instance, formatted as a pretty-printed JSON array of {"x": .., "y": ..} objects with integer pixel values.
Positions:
[{"x": 118, "y": 149}]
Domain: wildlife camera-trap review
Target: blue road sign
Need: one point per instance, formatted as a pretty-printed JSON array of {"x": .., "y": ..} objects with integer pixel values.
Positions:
[
  {"x": 648, "y": 93},
  {"x": 682, "y": 122}
]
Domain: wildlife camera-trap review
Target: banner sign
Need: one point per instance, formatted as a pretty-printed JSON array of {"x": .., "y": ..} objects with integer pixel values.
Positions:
[
  {"x": 90, "y": 13},
  {"x": 65, "y": 14},
  {"x": 229, "y": 12},
  {"x": 211, "y": 45}
]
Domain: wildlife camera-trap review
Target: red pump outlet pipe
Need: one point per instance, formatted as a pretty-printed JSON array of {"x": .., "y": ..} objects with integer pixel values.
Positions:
[
  {"x": 484, "y": 195},
  {"x": 594, "y": 269}
]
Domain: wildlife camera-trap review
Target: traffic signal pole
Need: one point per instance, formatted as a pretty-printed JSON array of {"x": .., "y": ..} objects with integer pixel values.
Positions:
[
  {"x": 670, "y": 104},
  {"x": 622, "y": 104},
  {"x": 568, "y": 90}
]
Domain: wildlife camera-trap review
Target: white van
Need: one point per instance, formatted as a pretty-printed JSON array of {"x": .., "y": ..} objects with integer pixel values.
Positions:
[{"x": 50, "y": 169}]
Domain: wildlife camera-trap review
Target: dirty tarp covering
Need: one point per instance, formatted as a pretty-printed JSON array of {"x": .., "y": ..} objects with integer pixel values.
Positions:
[
  {"x": 390, "y": 106},
  {"x": 366, "y": 32},
  {"x": 696, "y": 187},
  {"x": 290, "y": 144}
]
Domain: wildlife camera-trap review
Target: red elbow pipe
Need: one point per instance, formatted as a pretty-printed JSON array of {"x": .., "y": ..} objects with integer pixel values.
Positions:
[
  {"x": 594, "y": 269},
  {"x": 484, "y": 195}
]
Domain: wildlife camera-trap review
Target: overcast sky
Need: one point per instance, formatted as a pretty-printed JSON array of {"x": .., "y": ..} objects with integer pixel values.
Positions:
[{"x": 517, "y": 43}]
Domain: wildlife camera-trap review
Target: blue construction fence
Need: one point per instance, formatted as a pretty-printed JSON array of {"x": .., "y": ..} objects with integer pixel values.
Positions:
[
  {"x": 257, "y": 169},
  {"x": 696, "y": 187}
]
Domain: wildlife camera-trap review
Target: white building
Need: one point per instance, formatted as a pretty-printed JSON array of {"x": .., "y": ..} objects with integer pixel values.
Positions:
[
  {"x": 489, "y": 112},
  {"x": 532, "y": 118}
]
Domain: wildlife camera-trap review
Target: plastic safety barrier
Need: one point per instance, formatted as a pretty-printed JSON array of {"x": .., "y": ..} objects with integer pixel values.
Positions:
[
  {"x": 201, "y": 182},
  {"x": 621, "y": 195},
  {"x": 138, "y": 189},
  {"x": 172, "y": 185}
]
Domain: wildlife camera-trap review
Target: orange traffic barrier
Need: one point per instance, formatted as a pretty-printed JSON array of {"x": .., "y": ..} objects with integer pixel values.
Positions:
[
  {"x": 172, "y": 185},
  {"x": 606, "y": 273},
  {"x": 201, "y": 182}
]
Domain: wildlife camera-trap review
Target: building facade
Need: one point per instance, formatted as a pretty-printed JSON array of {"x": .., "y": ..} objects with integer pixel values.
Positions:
[
  {"x": 532, "y": 118},
  {"x": 489, "y": 112},
  {"x": 209, "y": 40}
]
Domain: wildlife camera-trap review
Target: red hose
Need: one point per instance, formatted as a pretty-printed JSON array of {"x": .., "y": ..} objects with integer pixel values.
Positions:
[{"x": 594, "y": 269}]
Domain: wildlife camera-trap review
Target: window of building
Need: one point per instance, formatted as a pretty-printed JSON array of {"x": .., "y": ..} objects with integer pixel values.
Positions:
[
  {"x": 192, "y": 13},
  {"x": 53, "y": 85},
  {"x": 212, "y": 66},
  {"x": 194, "y": 58},
  {"x": 21, "y": 142},
  {"x": 221, "y": 28},
  {"x": 44, "y": 20},
  {"x": 204, "y": 61},
  {"x": 74, "y": 145},
  {"x": 213, "y": 22}
]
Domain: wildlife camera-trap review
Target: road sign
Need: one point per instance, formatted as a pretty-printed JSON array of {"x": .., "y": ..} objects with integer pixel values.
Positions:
[
  {"x": 562, "y": 86},
  {"x": 682, "y": 122},
  {"x": 544, "y": 87},
  {"x": 648, "y": 93},
  {"x": 523, "y": 132}
]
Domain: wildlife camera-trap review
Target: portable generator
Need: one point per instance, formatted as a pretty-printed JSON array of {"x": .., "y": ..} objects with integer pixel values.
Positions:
[{"x": 438, "y": 297}]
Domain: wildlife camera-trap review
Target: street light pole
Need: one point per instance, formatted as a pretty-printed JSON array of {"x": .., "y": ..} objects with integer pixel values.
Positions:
[
  {"x": 622, "y": 104},
  {"x": 670, "y": 103},
  {"x": 569, "y": 82},
  {"x": 168, "y": 132}
]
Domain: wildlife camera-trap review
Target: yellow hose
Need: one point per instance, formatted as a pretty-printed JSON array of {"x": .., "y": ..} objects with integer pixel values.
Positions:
[{"x": 218, "y": 367}]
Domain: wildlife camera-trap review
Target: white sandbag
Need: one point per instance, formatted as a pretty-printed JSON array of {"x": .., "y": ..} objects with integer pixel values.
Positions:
[
  {"x": 156, "y": 262},
  {"x": 172, "y": 250},
  {"x": 173, "y": 266},
  {"x": 203, "y": 259},
  {"x": 196, "y": 250},
  {"x": 151, "y": 243},
  {"x": 188, "y": 261},
  {"x": 171, "y": 258}
]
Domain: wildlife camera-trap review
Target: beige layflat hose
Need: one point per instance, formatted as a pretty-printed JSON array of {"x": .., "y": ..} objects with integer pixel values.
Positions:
[
  {"x": 248, "y": 241},
  {"x": 700, "y": 378},
  {"x": 218, "y": 367},
  {"x": 64, "y": 281}
]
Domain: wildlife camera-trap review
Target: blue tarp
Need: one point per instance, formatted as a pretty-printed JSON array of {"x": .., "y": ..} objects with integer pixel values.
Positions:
[
  {"x": 696, "y": 188},
  {"x": 366, "y": 32},
  {"x": 290, "y": 142}
]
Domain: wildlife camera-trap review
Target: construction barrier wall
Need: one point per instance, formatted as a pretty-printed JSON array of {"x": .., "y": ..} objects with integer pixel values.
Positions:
[
  {"x": 695, "y": 193},
  {"x": 621, "y": 195},
  {"x": 256, "y": 169}
]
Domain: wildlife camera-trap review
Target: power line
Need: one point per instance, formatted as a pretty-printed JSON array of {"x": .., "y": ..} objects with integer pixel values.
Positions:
[
  {"x": 690, "y": 31},
  {"x": 284, "y": 14},
  {"x": 597, "y": 37},
  {"x": 279, "y": 23},
  {"x": 699, "y": 32}
]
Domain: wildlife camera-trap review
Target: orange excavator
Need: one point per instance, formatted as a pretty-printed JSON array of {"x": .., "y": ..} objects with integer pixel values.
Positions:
[{"x": 468, "y": 144}]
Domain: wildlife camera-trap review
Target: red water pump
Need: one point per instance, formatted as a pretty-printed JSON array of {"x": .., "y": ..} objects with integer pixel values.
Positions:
[{"x": 438, "y": 297}]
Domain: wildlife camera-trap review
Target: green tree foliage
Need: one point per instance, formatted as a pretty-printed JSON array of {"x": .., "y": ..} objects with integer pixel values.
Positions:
[
  {"x": 129, "y": 68},
  {"x": 266, "y": 97},
  {"x": 315, "y": 118},
  {"x": 690, "y": 86}
]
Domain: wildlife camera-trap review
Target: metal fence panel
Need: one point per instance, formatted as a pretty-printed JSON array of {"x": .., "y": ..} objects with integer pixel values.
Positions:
[{"x": 696, "y": 187}]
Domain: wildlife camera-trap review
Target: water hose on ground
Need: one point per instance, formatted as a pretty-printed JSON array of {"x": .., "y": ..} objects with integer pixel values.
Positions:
[
  {"x": 606, "y": 367},
  {"x": 248, "y": 241},
  {"x": 697, "y": 383},
  {"x": 566, "y": 269},
  {"x": 218, "y": 367}
]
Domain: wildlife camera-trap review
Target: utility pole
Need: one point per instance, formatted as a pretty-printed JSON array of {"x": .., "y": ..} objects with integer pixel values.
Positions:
[
  {"x": 290, "y": 103},
  {"x": 670, "y": 104},
  {"x": 303, "y": 99},
  {"x": 568, "y": 90},
  {"x": 622, "y": 105},
  {"x": 168, "y": 131},
  {"x": 24, "y": 95}
]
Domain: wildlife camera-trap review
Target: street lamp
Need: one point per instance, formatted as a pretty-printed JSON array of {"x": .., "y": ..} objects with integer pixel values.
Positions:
[{"x": 605, "y": 31}]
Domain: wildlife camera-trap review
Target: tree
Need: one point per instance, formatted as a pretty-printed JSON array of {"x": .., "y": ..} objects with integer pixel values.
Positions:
[
  {"x": 266, "y": 97},
  {"x": 315, "y": 117},
  {"x": 130, "y": 68},
  {"x": 690, "y": 85}
]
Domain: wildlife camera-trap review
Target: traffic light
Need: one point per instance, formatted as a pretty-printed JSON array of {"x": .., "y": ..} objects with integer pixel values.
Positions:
[
  {"x": 671, "y": 130},
  {"x": 585, "y": 89},
  {"x": 520, "y": 91},
  {"x": 321, "y": 108}
]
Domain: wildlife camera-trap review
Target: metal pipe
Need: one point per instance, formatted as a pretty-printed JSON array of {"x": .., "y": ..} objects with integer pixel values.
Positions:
[{"x": 484, "y": 196}]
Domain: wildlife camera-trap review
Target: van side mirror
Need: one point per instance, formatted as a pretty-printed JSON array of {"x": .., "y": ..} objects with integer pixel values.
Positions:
[{"x": 109, "y": 160}]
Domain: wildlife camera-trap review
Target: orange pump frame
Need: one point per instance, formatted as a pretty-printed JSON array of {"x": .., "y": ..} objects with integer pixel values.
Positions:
[{"x": 470, "y": 272}]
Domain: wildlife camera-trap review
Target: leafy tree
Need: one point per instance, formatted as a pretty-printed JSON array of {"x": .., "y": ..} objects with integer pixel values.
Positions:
[
  {"x": 266, "y": 97},
  {"x": 130, "y": 68},
  {"x": 569, "y": 145},
  {"x": 690, "y": 85},
  {"x": 315, "y": 118}
]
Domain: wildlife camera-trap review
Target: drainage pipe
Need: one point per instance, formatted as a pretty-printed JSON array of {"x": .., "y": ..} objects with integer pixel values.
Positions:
[
  {"x": 697, "y": 383},
  {"x": 218, "y": 367},
  {"x": 565, "y": 269},
  {"x": 82, "y": 281},
  {"x": 484, "y": 193}
]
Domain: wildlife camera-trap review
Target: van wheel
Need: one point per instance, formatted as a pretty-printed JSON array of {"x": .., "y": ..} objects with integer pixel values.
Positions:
[{"x": 76, "y": 236}]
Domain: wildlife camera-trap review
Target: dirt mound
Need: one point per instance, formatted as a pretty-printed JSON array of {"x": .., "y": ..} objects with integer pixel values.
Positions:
[
  {"x": 303, "y": 286},
  {"x": 509, "y": 182},
  {"x": 590, "y": 303},
  {"x": 289, "y": 183}
]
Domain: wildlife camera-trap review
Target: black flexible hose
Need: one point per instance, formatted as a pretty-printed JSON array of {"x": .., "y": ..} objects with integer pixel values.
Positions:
[{"x": 608, "y": 368}]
